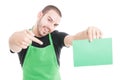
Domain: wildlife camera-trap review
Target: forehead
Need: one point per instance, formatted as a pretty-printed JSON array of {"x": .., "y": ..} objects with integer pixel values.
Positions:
[{"x": 54, "y": 15}]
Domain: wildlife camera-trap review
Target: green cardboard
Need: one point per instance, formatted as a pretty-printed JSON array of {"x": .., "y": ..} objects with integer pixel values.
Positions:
[{"x": 97, "y": 52}]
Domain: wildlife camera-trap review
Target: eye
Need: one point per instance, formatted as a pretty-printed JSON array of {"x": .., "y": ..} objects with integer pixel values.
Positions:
[
  {"x": 49, "y": 20},
  {"x": 55, "y": 25}
]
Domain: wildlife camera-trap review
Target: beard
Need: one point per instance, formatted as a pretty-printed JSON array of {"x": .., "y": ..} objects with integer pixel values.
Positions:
[{"x": 42, "y": 30}]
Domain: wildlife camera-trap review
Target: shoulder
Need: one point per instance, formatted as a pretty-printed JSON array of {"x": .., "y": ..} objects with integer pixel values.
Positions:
[
  {"x": 57, "y": 33},
  {"x": 58, "y": 37}
]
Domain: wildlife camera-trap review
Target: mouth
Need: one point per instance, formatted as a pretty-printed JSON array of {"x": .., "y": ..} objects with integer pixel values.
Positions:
[{"x": 45, "y": 31}]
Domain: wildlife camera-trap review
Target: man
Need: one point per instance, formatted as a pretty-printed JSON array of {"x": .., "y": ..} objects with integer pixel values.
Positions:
[{"x": 39, "y": 47}]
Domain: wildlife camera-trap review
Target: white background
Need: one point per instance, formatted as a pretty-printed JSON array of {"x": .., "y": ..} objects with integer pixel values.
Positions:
[{"x": 77, "y": 15}]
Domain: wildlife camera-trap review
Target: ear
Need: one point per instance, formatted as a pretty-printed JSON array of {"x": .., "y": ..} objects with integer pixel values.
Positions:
[{"x": 39, "y": 14}]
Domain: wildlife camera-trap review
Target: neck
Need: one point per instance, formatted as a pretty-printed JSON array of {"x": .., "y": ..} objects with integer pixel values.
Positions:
[{"x": 36, "y": 31}]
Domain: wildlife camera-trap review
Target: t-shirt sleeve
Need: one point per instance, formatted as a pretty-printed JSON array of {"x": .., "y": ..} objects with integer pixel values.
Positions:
[
  {"x": 12, "y": 51},
  {"x": 58, "y": 37}
]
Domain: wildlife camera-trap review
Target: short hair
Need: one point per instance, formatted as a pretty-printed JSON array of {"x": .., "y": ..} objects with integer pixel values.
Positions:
[{"x": 51, "y": 7}]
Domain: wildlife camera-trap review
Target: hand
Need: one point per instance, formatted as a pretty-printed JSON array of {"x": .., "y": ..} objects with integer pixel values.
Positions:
[
  {"x": 23, "y": 39},
  {"x": 93, "y": 32}
]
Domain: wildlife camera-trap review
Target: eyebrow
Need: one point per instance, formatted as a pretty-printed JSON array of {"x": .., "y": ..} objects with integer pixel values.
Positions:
[{"x": 52, "y": 20}]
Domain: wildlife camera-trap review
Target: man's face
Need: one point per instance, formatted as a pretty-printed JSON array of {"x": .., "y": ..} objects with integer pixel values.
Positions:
[{"x": 48, "y": 22}]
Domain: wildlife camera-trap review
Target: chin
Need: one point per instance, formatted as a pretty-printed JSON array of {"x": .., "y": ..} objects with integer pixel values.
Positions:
[{"x": 43, "y": 35}]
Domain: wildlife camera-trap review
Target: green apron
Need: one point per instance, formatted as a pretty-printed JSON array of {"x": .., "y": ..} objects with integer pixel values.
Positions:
[{"x": 41, "y": 63}]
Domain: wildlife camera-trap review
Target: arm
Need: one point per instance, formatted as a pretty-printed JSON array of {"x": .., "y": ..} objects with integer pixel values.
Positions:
[
  {"x": 90, "y": 33},
  {"x": 21, "y": 40}
]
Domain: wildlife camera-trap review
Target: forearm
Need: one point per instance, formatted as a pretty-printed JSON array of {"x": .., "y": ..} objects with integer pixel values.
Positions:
[
  {"x": 80, "y": 36},
  {"x": 90, "y": 33}
]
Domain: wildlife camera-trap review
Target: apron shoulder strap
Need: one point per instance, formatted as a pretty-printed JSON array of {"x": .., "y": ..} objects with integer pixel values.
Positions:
[{"x": 50, "y": 38}]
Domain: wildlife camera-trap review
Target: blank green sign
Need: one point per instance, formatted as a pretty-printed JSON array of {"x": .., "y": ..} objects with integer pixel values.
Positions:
[{"x": 97, "y": 52}]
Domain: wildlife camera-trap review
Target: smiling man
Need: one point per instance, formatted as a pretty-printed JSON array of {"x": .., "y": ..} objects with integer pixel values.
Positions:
[{"x": 39, "y": 47}]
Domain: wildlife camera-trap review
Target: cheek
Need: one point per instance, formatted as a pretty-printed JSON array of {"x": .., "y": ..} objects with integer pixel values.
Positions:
[
  {"x": 43, "y": 22},
  {"x": 40, "y": 28}
]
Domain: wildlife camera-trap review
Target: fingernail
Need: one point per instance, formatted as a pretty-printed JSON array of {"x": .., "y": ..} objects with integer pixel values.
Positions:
[
  {"x": 90, "y": 40},
  {"x": 41, "y": 43}
]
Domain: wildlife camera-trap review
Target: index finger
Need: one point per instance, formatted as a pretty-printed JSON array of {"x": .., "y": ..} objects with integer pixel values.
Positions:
[
  {"x": 36, "y": 40},
  {"x": 90, "y": 35},
  {"x": 31, "y": 36}
]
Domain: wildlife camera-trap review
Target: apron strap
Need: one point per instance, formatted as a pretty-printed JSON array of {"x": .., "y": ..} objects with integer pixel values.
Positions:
[{"x": 50, "y": 38}]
